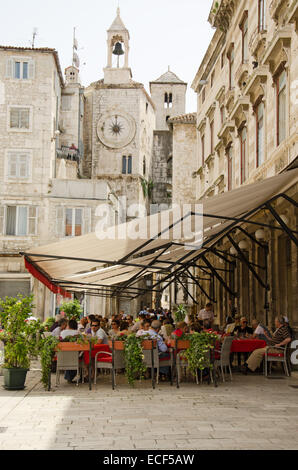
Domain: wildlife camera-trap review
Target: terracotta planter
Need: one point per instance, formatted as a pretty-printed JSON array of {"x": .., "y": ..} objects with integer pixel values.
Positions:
[
  {"x": 147, "y": 344},
  {"x": 72, "y": 347},
  {"x": 118, "y": 345},
  {"x": 181, "y": 343}
]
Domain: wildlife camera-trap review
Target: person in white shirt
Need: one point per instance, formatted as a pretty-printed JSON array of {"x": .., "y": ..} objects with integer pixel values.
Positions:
[
  {"x": 99, "y": 332},
  {"x": 206, "y": 313},
  {"x": 62, "y": 324},
  {"x": 71, "y": 330},
  {"x": 144, "y": 330}
]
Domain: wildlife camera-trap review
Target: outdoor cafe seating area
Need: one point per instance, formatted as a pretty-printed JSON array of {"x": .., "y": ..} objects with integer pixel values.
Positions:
[{"x": 221, "y": 356}]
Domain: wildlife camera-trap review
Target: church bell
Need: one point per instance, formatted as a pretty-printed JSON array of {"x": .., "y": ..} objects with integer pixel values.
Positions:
[{"x": 118, "y": 49}]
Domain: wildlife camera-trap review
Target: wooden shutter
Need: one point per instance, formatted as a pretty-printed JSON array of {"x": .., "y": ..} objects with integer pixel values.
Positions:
[
  {"x": 87, "y": 220},
  {"x": 9, "y": 68},
  {"x": 31, "y": 70},
  {"x": 12, "y": 165},
  {"x": 14, "y": 118},
  {"x": 32, "y": 220},
  {"x": 60, "y": 225},
  {"x": 23, "y": 165},
  {"x": 24, "y": 119}
]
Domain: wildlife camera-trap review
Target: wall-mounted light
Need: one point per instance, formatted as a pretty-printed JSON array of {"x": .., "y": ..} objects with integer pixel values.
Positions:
[
  {"x": 260, "y": 234},
  {"x": 243, "y": 245},
  {"x": 233, "y": 250}
]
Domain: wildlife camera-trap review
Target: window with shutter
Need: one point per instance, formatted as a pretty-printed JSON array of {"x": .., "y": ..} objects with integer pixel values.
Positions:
[
  {"x": 17, "y": 221},
  {"x": 18, "y": 165},
  {"x": 19, "y": 118}
]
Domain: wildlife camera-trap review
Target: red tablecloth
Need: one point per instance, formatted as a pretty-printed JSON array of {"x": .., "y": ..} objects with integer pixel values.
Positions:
[
  {"x": 96, "y": 348},
  {"x": 247, "y": 345}
]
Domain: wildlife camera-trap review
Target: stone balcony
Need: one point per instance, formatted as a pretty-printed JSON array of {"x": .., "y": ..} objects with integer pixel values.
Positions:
[{"x": 257, "y": 42}]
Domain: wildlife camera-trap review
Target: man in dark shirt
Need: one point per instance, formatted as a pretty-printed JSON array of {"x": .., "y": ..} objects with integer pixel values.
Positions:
[
  {"x": 243, "y": 330},
  {"x": 281, "y": 337}
]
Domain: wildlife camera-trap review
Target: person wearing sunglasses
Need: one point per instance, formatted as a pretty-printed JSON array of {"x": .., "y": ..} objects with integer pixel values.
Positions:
[
  {"x": 243, "y": 330},
  {"x": 97, "y": 331}
]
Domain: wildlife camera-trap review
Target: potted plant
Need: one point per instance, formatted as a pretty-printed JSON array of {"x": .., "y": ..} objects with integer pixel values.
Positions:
[
  {"x": 197, "y": 354},
  {"x": 133, "y": 353},
  {"x": 72, "y": 310},
  {"x": 180, "y": 314},
  {"x": 20, "y": 338}
]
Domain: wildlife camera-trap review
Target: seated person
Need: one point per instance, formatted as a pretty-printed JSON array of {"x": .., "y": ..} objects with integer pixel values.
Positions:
[
  {"x": 114, "y": 332},
  {"x": 70, "y": 330},
  {"x": 281, "y": 337},
  {"x": 230, "y": 328},
  {"x": 181, "y": 329},
  {"x": 260, "y": 331},
  {"x": 166, "y": 329},
  {"x": 144, "y": 330},
  {"x": 243, "y": 330},
  {"x": 56, "y": 324},
  {"x": 97, "y": 331},
  {"x": 62, "y": 324},
  {"x": 195, "y": 327},
  {"x": 83, "y": 325},
  {"x": 162, "y": 347},
  {"x": 124, "y": 328}
]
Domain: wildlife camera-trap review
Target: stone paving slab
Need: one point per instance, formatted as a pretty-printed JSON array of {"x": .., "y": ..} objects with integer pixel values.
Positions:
[{"x": 249, "y": 413}]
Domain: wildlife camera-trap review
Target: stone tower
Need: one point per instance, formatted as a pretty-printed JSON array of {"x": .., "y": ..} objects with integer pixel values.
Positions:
[
  {"x": 118, "y": 124},
  {"x": 117, "y": 70},
  {"x": 168, "y": 93}
]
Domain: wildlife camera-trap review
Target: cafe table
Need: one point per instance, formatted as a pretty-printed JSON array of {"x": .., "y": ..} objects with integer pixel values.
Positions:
[{"x": 243, "y": 345}]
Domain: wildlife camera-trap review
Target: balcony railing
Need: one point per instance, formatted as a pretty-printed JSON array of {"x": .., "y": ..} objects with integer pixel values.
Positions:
[{"x": 69, "y": 153}]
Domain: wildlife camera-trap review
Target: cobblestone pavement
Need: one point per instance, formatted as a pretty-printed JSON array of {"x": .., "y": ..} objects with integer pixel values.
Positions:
[{"x": 252, "y": 412}]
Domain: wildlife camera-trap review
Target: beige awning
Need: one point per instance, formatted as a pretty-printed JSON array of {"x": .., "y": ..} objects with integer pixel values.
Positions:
[{"x": 84, "y": 259}]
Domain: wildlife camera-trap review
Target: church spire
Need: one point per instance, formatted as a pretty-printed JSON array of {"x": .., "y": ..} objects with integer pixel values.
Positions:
[{"x": 118, "y": 45}]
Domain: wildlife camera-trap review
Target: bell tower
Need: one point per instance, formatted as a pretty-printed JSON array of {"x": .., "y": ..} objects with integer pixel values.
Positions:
[{"x": 117, "y": 70}]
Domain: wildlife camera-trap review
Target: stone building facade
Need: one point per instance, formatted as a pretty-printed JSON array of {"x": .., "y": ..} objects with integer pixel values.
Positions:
[
  {"x": 66, "y": 149},
  {"x": 247, "y": 116}
]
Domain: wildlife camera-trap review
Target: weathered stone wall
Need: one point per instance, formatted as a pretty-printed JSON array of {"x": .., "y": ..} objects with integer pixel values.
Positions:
[
  {"x": 184, "y": 163},
  {"x": 162, "y": 167}
]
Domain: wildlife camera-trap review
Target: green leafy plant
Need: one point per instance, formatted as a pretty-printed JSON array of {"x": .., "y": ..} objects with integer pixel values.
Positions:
[
  {"x": 133, "y": 353},
  {"x": 20, "y": 336},
  {"x": 197, "y": 355},
  {"x": 72, "y": 310},
  {"x": 147, "y": 187},
  {"x": 47, "y": 348},
  {"x": 47, "y": 325},
  {"x": 180, "y": 313}
]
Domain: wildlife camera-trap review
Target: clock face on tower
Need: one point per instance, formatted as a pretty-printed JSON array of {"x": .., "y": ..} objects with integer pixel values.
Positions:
[{"x": 116, "y": 129}]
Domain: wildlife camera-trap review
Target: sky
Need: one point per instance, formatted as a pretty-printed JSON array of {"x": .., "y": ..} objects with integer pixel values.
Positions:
[{"x": 163, "y": 33}]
